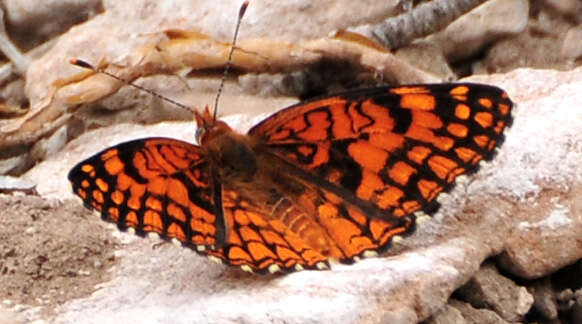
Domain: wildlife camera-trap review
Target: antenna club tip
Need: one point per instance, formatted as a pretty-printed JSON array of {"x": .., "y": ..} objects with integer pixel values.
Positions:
[
  {"x": 81, "y": 63},
  {"x": 243, "y": 9}
]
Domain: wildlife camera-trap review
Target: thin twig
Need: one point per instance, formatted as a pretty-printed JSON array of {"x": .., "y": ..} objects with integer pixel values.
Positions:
[{"x": 423, "y": 20}]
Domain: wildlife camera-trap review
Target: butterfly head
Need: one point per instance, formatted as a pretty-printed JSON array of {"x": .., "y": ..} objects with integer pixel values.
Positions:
[{"x": 209, "y": 127}]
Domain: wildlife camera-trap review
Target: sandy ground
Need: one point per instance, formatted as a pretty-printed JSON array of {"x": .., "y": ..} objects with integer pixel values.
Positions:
[{"x": 51, "y": 252}]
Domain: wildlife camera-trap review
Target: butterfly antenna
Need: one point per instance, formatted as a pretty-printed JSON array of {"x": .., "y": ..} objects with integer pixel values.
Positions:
[
  {"x": 241, "y": 12},
  {"x": 86, "y": 65}
]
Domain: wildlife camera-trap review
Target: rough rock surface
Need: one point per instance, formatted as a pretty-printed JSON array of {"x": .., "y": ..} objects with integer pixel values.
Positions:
[
  {"x": 523, "y": 207},
  {"x": 489, "y": 289},
  {"x": 523, "y": 198}
]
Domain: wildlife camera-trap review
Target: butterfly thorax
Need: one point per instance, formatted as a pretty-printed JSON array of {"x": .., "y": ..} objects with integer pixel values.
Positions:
[{"x": 231, "y": 154}]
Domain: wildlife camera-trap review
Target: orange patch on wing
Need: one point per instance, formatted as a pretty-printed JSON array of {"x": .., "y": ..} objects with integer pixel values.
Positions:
[
  {"x": 103, "y": 186},
  {"x": 503, "y": 109},
  {"x": 256, "y": 219},
  {"x": 343, "y": 230},
  {"x": 387, "y": 141},
  {"x": 114, "y": 165},
  {"x": 458, "y": 130},
  {"x": 259, "y": 251},
  {"x": 305, "y": 150},
  {"x": 408, "y": 90},
  {"x": 152, "y": 221},
  {"x": 426, "y": 119},
  {"x": 82, "y": 193},
  {"x": 418, "y": 101},
  {"x": 481, "y": 140},
  {"x": 378, "y": 227},
  {"x": 202, "y": 227},
  {"x": 174, "y": 230},
  {"x": 465, "y": 154},
  {"x": 358, "y": 120},
  {"x": 411, "y": 206},
  {"x": 462, "y": 111},
  {"x": 391, "y": 233},
  {"x": 124, "y": 181},
  {"x": 318, "y": 126},
  {"x": 443, "y": 167},
  {"x": 426, "y": 135},
  {"x": 237, "y": 253},
  {"x": 390, "y": 197},
  {"x": 158, "y": 186},
  {"x": 272, "y": 237},
  {"x": 459, "y": 91},
  {"x": 85, "y": 184},
  {"x": 327, "y": 211},
  {"x": 368, "y": 156},
  {"x": 178, "y": 192},
  {"x": 87, "y": 168},
  {"x": 484, "y": 119},
  {"x": 370, "y": 182},
  {"x": 201, "y": 213},
  {"x": 109, "y": 154},
  {"x": 341, "y": 126},
  {"x": 321, "y": 156},
  {"x": 381, "y": 120},
  {"x": 176, "y": 212},
  {"x": 131, "y": 219},
  {"x": 153, "y": 203},
  {"x": 485, "y": 102},
  {"x": 286, "y": 254},
  {"x": 240, "y": 217},
  {"x": 428, "y": 189},
  {"x": 357, "y": 216},
  {"x": 113, "y": 213},
  {"x": 117, "y": 197},
  {"x": 136, "y": 193},
  {"x": 401, "y": 172},
  {"x": 98, "y": 196},
  {"x": 248, "y": 234},
  {"x": 418, "y": 154}
]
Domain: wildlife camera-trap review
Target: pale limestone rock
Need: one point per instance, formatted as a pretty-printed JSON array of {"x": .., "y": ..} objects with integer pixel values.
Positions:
[
  {"x": 489, "y": 289},
  {"x": 524, "y": 204},
  {"x": 475, "y": 30}
]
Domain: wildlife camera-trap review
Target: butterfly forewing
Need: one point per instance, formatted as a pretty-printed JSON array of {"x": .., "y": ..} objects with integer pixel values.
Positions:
[
  {"x": 394, "y": 147},
  {"x": 156, "y": 185}
]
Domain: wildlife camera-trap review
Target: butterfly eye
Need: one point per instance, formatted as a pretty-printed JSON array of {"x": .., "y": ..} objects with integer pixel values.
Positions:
[{"x": 199, "y": 133}]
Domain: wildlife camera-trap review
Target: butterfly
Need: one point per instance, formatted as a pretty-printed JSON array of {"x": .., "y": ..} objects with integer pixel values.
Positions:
[{"x": 334, "y": 178}]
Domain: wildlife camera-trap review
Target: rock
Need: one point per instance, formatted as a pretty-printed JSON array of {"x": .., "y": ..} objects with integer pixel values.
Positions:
[
  {"x": 9, "y": 317},
  {"x": 489, "y": 289},
  {"x": 10, "y": 184},
  {"x": 46, "y": 16},
  {"x": 569, "y": 8},
  {"x": 544, "y": 300},
  {"x": 572, "y": 45},
  {"x": 474, "y": 315},
  {"x": 428, "y": 57},
  {"x": 447, "y": 315},
  {"x": 475, "y": 30},
  {"x": 505, "y": 207}
]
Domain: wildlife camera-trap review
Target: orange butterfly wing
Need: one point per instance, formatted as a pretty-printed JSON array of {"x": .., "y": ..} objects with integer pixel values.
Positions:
[
  {"x": 381, "y": 155},
  {"x": 156, "y": 185},
  {"x": 167, "y": 186},
  {"x": 360, "y": 165}
]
